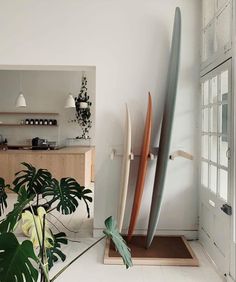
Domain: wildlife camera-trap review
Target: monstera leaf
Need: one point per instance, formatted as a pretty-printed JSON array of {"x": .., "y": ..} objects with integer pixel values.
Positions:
[
  {"x": 13, "y": 217},
  {"x": 33, "y": 227},
  {"x": 15, "y": 264},
  {"x": 67, "y": 192},
  {"x": 54, "y": 253},
  {"x": 3, "y": 196},
  {"x": 83, "y": 195},
  {"x": 112, "y": 232},
  {"x": 34, "y": 180}
]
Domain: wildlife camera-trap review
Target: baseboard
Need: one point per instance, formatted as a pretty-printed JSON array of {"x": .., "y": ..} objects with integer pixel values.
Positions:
[{"x": 189, "y": 234}]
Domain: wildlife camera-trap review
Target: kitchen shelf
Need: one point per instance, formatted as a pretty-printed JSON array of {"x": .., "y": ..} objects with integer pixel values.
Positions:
[
  {"x": 26, "y": 125},
  {"x": 28, "y": 113}
]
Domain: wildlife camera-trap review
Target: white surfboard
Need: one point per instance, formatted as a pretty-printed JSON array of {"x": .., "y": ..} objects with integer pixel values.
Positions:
[{"x": 125, "y": 170}]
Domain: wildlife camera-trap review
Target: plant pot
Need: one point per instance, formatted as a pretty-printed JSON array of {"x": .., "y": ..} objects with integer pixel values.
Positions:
[
  {"x": 83, "y": 105},
  {"x": 46, "y": 206}
]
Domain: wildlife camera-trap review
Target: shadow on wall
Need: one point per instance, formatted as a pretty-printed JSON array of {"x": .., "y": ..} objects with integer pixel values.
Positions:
[{"x": 108, "y": 171}]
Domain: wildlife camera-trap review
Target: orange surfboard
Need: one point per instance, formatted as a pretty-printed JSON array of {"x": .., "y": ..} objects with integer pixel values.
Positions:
[{"x": 142, "y": 169}]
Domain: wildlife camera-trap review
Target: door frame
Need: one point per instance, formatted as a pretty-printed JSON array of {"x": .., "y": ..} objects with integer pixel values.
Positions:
[
  {"x": 232, "y": 267},
  {"x": 232, "y": 270}
]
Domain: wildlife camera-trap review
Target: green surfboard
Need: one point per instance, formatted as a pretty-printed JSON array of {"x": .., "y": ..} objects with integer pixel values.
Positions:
[{"x": 167, "y": 121}]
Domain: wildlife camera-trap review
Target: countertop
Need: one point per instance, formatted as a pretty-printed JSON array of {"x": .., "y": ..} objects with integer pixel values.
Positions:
[{"x": 65, "y": 150}]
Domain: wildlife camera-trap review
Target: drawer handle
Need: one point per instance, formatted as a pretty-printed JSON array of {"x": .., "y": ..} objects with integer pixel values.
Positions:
[{"x": 227, "y": 209}]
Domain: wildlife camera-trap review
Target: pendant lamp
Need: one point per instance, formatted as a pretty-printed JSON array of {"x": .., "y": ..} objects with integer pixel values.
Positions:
[
  {"x": 70, "y": 101},
  {"x": 20, "y": 101}
]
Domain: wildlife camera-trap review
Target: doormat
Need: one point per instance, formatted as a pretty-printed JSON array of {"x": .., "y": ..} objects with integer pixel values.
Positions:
[{"x": 164, "y": 250}]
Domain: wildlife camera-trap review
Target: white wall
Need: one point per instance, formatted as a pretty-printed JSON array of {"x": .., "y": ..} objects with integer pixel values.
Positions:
[
  {"x": 129, "y": 42},
  {"x": 44, "y": 91}
]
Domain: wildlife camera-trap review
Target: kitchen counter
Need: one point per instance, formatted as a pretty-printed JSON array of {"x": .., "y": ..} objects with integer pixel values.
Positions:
[
  {"x": 73, "y": 162},
  {"x": 63, "y": 150}
]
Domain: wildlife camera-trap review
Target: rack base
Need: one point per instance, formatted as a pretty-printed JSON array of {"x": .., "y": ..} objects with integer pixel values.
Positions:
[{"x": 164, "y": 250}]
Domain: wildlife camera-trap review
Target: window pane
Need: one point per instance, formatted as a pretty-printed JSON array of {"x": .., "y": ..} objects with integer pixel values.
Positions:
[
  {"x": 224, "y": 184},
  {"x": 208, "y": 11},
  {"x": 214, "y": 149},
  {"x": 214, "y": 90},
  {"x": 223, "y": 120},
  {"x": 224, "y": 88},
  {"x": 205, "y": 120},
  {"x": 205, "y": 93},
  {"x": 209, "y": 36},
  {"x": 225, "y": 97},
  {"x": 203, "y": 51},
  {"x": 214, "y": 119},
  {"x": 221, "y": 3},
  {"x": 205, "y": 174},
  {"x": 213, "y": 178},
  {"x": 223, "y": 28},
  {"x": 205, "y": 146},
  {"x": 223, "y": 151}
]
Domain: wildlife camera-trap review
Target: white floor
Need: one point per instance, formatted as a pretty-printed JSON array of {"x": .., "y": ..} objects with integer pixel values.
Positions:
[{"x": 90, "y": 267}]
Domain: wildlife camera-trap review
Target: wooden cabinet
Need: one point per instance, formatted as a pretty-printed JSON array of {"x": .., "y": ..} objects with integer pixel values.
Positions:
[
  {"x": 93, "y": 165},
  {"x": 73, "y": 162}
]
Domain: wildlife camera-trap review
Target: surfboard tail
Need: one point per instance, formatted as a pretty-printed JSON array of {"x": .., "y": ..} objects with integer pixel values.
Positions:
[{"x": 153, "y": 221}]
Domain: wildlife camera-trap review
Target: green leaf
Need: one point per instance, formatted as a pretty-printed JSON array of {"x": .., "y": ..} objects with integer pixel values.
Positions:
[
  {"x": 3, "y": 196},
  {"x": 83, "y": 195},
  {"x": 13, "y": 217},
  {"x": 112, "y": 232},
  {"x": 34, "y": 180},
  {"x": 54, "y": 253},
  {"x": 15, "y": 264},
  {"x": 67, "y": 193}
]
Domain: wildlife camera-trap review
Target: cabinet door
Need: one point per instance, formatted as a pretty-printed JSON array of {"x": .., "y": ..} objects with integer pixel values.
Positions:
[
  {"x": 15, "y": 160},
  {"x": 4, "y": 172},
  {"x": 65, "y": 165}
]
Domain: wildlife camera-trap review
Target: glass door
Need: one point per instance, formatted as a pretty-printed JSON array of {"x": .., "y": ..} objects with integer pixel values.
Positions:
[{"x": 215, "y": 208}]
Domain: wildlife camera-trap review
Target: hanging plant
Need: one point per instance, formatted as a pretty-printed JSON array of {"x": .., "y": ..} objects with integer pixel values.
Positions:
[{"x": 83, "y": 111}]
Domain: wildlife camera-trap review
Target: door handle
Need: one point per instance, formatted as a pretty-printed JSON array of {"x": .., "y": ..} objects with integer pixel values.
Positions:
[
  {"x": 228, "y": 154},
  {"x": 227, "y": 209}
]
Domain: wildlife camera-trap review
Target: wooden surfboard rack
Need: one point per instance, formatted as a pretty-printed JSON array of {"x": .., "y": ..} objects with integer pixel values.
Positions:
[
  {"x": 164, "y": 250},
  {"x": 182, "y": 154},
  {"x": 153, "y": 155}
]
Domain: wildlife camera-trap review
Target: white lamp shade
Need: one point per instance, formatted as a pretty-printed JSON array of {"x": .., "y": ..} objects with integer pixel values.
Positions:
[
  {"x": 70, "y": 102},
  {"x": 20, "y": 101}
]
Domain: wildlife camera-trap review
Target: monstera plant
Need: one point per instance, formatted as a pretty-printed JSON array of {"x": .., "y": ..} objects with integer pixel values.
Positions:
[{"x": 38, "y": 194}]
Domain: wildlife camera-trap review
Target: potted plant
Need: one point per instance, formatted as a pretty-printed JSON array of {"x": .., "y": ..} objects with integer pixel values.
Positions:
[{"x": 38, "y": 194}]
